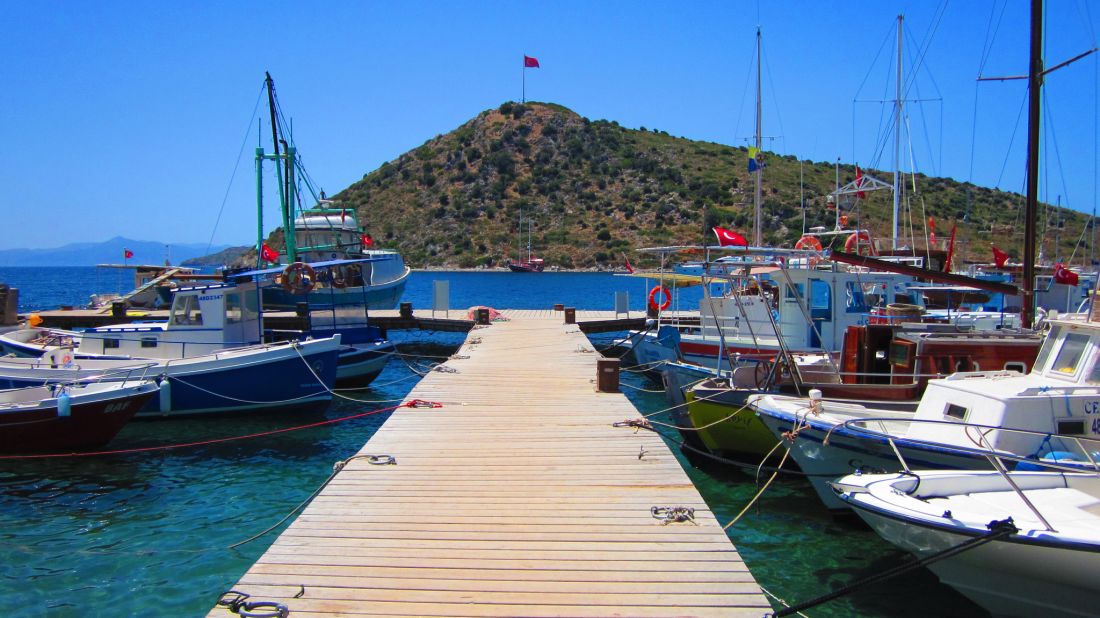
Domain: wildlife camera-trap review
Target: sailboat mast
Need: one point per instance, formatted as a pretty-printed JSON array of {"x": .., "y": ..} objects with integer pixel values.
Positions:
[
  {"x": 284, "y": 186},
  {"x": 756, "y": 226},
  {"x": 897, "y": 136},
  {"x": 1035, "y": 84}
]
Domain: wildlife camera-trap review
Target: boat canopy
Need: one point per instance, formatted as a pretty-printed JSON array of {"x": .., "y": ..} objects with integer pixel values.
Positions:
[{"x": 315, "y": 265}]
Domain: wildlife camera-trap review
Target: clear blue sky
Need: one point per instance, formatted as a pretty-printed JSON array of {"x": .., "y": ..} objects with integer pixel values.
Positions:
[{"x": 126, "y": 118}]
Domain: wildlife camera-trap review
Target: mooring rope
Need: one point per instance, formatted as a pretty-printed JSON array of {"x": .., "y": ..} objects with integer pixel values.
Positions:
[{"x": 998, "y": 529}]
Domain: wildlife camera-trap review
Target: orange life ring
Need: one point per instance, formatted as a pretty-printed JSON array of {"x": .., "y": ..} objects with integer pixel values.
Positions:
[
  {"x": 298, "y": 278},
  {"x": 861, "y": 241},
  {"x": 808, "y": 242},
  {"x": 653, "y": 298}
]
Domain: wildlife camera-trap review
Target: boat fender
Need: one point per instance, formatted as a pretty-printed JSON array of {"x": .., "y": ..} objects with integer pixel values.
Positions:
[
  {"x": 653, "y": 298},
  {"x": 64, "y": 404},
  {"x": 165, "y": 396}
]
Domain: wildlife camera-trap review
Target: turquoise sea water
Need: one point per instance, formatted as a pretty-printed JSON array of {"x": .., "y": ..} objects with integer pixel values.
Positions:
[{"x": 146, "y": 533}]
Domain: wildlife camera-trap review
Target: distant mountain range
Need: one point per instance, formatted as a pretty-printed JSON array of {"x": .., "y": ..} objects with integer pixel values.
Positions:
[{"x": 108, "y": 252}]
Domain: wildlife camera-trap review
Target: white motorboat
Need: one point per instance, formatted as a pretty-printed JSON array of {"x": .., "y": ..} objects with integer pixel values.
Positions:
[{"x": 1045, "y": 567}]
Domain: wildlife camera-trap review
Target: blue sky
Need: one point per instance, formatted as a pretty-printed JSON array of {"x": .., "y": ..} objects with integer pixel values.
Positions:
[{"x": 127, "y": 118}]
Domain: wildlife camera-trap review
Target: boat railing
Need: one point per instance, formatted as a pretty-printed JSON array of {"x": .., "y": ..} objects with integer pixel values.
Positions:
[{"x": 1060, "y": 461}]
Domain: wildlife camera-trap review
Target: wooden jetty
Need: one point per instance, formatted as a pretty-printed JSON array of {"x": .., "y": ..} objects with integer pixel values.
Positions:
[{"x": 518, "y": 496}]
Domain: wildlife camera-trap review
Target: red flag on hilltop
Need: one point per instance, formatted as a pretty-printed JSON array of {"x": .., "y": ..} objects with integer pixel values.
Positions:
[
  {"x": 127, "y": 254},
  {"x": 530, "y": 63},
  {"x": 729, "y": 238},
  {"x": 268, "y": 254},
  {"x": 366, "y": 241},
  {"x": 999, "y": 257}
]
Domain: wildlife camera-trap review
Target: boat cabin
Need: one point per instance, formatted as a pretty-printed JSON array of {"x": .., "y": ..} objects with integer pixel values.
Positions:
[
  {"x": 203, "y": 319},
  {"x": 1061, "y": 394}
]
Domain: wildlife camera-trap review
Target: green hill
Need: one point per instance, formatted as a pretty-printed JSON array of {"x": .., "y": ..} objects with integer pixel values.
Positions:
[{"x": 595, "y": 191}]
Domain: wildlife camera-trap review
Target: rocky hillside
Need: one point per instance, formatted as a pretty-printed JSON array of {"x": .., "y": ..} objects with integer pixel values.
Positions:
[{"x": 595, "y": 191}]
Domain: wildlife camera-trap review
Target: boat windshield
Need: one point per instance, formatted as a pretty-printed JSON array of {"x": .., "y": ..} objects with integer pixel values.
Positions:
[{"x": 1070, "y": 354}]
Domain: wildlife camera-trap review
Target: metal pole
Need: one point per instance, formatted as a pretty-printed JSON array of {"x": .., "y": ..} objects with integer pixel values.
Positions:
[
  {"x": 259, "y": 207},
  {"x": 1035, "y": 83},
  {"x": 757, "y": 231},
  {"x": 897, "y": 137},
  {"x": 523, "y": 95}
]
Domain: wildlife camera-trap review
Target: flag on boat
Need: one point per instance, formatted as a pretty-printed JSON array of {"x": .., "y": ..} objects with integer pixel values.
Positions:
[
  {"x": 268, "y": 254},
  {"x": 859, "y": 184},
  {"x": 931, "y": 230},
  {"x": 729, "y": 238},
  {"x": 756, "y": 159},
  {"x": 366, "y": 241},
  {"x": 530, "y": 63},
  {"x": 1064, "y": 275},
  {"x": 999, "y": 257},
  {"x": 127, "y": 254},
  {"x": 626, "y": 262}
]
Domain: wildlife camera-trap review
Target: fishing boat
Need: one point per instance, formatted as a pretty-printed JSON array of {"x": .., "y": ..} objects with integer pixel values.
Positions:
[
  {"x": 65, "y": 417},
  {"x": 532, "y": 264},
  {"x": 327, "y": 232},
  {"x": 1016, "y": 543},
  {"x": 271, "y": 378},
  {"x": 205, "y": 319}
]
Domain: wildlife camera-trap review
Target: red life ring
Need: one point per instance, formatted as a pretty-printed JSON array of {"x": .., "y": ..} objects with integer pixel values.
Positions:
[
  {"x": 653, "y": 298},
  {"x": 861, "y": 241}
]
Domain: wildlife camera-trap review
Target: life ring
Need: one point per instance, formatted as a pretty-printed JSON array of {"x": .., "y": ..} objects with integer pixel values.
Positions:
[
  {"x": 809, "y": 243},
  {"x": 653, "y": 298},
  {"x": 298, "y": 278},
  {"x": 861, "y": 242}
]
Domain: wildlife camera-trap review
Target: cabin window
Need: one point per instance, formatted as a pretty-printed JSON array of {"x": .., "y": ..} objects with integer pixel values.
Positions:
[
  {"x": 794, "y": 294},
  {"x": 854, "y": 298},
  {"x": 232, "y": 308},
  {"x": 1071, "y": 426},
  {"x": 1016, "y": 366},
  {"x": 110, "y": 342},
  {"x": 1094, "y": 375},
  {"x": 185, "y": 311},
  {"x": 955, "y": 411},
  {"x": 148, "y": 342},
  {"x": 1070, "y": 354}
]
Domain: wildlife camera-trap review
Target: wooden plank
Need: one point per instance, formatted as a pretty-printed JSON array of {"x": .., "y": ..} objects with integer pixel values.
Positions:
[{"x": 517, "y": 497}]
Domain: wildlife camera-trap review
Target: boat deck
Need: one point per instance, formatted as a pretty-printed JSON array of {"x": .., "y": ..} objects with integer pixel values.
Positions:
[{"x": 517, "y": 497}]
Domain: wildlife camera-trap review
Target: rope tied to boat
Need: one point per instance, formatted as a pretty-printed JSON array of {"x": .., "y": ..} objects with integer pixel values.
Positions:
[
  {"x": 420, "y": 403},
  {"x": 239, "y": 604},
  {"x": 998, "y": 529},
  {"x": 636, "y": 423},
  {"x": 673, "y": 514}
]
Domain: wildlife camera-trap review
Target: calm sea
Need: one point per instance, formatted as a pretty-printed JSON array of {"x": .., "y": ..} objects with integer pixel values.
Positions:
[{"x": 146, "y": 534}]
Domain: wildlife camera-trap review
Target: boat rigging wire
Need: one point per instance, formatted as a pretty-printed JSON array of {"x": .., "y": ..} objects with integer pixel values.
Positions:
[{"x": 233, "y": 176}]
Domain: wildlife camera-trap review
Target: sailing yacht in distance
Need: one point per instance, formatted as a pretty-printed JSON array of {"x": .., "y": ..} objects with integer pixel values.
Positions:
[{"x": 531, "y": 264}]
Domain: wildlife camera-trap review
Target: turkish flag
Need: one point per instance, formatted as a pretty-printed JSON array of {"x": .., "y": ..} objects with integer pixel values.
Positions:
[
  {"x": 859, "y": 184},
  {"x": 530, "y": 63},
  {"x": 999, "y": 257},
  {"x": 268, "y": 254},
  {"x": 729, "y": 238},
  {"x": 366, "y": 241},
  {"x": 127, "y": 254},
  {"x": 1064, "y": 275}
]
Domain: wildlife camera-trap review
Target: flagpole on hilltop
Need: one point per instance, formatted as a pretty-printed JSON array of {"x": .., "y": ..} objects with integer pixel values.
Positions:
[{"x": 523, "y": 95}]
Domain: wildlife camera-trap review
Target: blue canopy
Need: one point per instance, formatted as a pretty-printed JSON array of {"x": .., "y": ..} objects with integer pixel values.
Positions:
[{"x": 315, "y": 265}]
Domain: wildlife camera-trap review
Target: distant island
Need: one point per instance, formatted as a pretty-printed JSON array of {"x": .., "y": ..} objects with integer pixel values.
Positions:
[{"x": 112, "y": 251}]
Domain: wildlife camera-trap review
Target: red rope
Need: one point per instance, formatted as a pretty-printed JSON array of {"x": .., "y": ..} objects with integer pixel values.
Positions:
[{"x": 416, "y": 403}]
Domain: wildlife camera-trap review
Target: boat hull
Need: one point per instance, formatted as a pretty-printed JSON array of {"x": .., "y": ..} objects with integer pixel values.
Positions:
[
  {"x": 268, "y": 378},
  {"x": 92, "y": 421}
]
